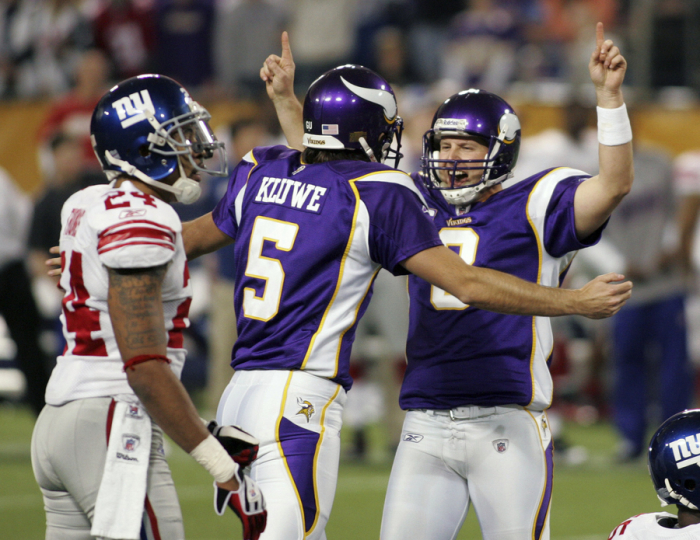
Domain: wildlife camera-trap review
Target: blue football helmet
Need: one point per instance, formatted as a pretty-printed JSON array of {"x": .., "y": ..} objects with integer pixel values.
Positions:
[
  {"x": 674, "y": 460},
  {"x": 144, "y": 125},
  {"x": 472, "y": 113},
  {"x": 351, "y": 107}
]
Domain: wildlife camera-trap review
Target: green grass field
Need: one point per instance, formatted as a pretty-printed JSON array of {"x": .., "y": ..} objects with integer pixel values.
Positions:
[{"x": 589, "y": 499}]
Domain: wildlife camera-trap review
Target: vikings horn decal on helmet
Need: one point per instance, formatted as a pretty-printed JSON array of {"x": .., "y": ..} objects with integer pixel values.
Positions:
[
  {"x": 351, "y": 107},
  {"x": 479, "y": 114},
  {"x": 674, "y": 460},
  {"x": 144, "y": 125}
]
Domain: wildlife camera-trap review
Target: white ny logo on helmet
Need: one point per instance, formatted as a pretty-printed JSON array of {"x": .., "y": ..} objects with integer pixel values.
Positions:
[
  {"x": 686, "y": 451},
  {"x": 134, "y": 108}
]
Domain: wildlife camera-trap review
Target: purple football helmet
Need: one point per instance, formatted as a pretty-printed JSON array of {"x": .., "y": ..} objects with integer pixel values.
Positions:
[
  {"x": 145, "y": 124},
  {"x": 674, "y": 460},
  {"x": 472, "y": 113},
  {"x": 351, "y": 107}
]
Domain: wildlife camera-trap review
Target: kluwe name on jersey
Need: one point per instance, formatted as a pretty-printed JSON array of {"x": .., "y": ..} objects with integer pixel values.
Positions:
[
  {"x": 310, "y": 240},
  {"x": 122, "y": 228}
]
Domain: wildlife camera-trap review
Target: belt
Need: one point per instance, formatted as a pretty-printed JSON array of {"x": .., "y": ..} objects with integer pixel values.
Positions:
[{"x": 469, "y": 412}]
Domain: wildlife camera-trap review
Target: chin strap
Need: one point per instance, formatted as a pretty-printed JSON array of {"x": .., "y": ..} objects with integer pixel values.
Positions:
[
  {"x": 680, "y": 498},
  {"x": 185, "y": 189},
  {"x": 367, "y": 149}
]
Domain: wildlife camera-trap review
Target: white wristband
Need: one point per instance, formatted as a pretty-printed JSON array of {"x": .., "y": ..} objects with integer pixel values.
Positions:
[
  {"x": 614, "y": 126},
  {"x": 212, "y": 456}
]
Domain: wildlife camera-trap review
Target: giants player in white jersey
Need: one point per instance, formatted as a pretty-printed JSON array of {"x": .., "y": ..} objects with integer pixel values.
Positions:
[
  {"x": 477, "y": 383},
  {"x": 674, "y": 466},
  {"x": 97, "y": 447}
]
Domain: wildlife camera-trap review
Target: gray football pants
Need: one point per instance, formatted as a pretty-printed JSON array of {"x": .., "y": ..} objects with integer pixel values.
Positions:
[{"x": 69, "y": 445}]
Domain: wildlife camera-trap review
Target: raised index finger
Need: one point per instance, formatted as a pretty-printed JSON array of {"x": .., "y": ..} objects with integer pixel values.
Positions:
[
  {"x": 599, "y": 35},
  {"x": 286, "y": 49}
]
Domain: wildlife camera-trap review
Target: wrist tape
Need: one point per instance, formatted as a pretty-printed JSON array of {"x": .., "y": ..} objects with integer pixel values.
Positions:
[
  {"x": 614, "y": 126},
  {"x": 212, "y": 456}
]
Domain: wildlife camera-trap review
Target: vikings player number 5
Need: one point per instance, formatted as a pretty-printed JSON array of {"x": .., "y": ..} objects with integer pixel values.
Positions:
[{"x": 283, "y": 234}]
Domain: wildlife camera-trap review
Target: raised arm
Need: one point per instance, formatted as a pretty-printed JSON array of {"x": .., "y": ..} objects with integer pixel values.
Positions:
[
  {"x": 202, "y": 236},
  {"x": 278, "y": 74},
  {"x": 496, "y": 291},
  {"x": 598, "y": 196}
]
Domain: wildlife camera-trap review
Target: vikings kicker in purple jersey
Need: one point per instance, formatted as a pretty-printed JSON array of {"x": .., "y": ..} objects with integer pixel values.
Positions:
[
  {"x": 528, "y": 231},
  {"x": 278, "y": 210}
]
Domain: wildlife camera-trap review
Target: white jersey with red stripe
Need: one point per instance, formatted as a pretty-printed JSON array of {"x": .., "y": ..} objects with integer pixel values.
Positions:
[
  {"x": 106, "y": 227},
  {"x": 655, "y": 526}
]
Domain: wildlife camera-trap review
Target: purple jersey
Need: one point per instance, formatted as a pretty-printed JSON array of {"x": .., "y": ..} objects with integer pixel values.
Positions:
[
  {"x": 310, "y": 239},
  {"x": 460, "y": 355}
]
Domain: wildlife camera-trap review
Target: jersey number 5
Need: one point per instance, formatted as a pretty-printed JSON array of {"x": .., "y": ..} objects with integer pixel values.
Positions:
[
  {"x": 283, "y": 234},
  {"x": 465, "y": 241}
]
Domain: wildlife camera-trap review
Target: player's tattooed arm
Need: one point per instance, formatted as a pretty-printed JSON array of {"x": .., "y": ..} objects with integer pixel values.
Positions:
[
  {"x": 136, "y": 310},
  {"x": 278, "y": 74}
]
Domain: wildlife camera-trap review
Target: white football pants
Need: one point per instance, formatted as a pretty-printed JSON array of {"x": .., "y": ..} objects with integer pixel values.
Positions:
[
  {"x": 498, "y": 458},
  {"x": 297, "y": 418},
  {"x": 69, "y": 447}
]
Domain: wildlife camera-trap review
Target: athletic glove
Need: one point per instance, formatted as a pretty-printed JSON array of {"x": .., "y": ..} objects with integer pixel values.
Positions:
[
  {"x": 241, "y": 445},
  {"x": 248, "y": 503}
]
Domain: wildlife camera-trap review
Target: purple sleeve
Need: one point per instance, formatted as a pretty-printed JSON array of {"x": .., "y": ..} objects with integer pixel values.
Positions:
[
  {"x": 399, "y": 227},
  {"x": 560, "y": 224}
]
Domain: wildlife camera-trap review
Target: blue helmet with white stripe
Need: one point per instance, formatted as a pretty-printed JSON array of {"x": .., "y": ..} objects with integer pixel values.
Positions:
[
  {"x": 144, "y": 125},
  {"x": 352, "y": 108},
  {"x": 674, "y": 460}
]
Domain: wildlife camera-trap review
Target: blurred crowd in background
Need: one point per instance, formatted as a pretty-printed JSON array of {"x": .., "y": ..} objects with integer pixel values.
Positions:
[{"x": 635, "y": 370}]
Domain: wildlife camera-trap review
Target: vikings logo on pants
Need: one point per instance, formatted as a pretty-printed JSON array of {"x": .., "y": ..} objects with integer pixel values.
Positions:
[{"x": 307, "y": 408}]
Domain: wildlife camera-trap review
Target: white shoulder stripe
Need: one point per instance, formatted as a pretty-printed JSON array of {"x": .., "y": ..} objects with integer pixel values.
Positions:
[
  {"x": 249, "y": 158},
  {"x": 394, "y": 177},
  {"x": 238, "y": 204}
]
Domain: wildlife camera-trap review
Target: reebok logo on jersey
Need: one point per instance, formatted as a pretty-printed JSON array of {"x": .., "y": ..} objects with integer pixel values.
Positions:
[
  {"x": 291, "y": 193},
  {"x": 501, "y": 445},
  {"x": 686, "y": 451},
  {"x": 307, "y": 409},
  {"x": 133, "y": 109},
  {"x": 129, "y": 214},
  {"x": 413, "y": 437}
]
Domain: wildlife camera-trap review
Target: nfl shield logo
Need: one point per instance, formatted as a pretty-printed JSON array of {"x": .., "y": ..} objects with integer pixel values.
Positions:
[
  {"x": 131, "y": 442},
  {"x": 501, "y": 445},
  {"x": 133, "y": 411}
]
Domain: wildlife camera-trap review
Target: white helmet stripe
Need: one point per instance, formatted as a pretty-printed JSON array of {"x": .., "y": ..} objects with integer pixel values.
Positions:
[{"x": 380, "y": 97}]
